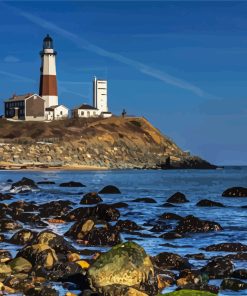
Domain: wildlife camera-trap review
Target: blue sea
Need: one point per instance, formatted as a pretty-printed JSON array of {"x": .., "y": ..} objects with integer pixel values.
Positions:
[{"x": 160, "y": 185}]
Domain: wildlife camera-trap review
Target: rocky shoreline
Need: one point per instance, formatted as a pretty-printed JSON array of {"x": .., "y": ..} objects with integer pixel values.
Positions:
[{"x": 45, "y": 258}]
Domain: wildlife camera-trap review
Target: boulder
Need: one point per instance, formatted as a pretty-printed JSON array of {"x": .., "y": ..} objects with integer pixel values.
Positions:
[
  {"x": 233, "y": 284},
  {"x": 46, "y": 183},
  {"x": 24, "y": 182},
  {"x": 125, "y": 264},
  {"x": 5, "y": 196},
  {"x": 91, "y": 198},
  {"x": 119, "y": 205},
  {"x": 177, "y": 197},
  {"x": 42, "y": 291},
  {"x": 20, "y": 265},
  {"x": 127, "y": 226},
  {"x": 121, "y": 290},
  {"x": 9, "y": 224},
  {"x": 110, "y": 189},
  {"x": 193, "y": 224},
  {"x": 5, "y": 271},
  {"x": 239, "y": 256},
  {"x": 170, "y": 216},
  {"x": 209, "y": 203},
  {"x": 166, "y": 260},
  {"x": 227, "y": 247},
  {"x": 72, "y": 184},
  {"x": 235, "y": 192},
  {"x": 240, "y": 274},
  {"x": 23, "y": 205},
  {"x": 55, "y": 208},
  {"x": 171, "y": 235},
  {"x": 218, "y": 268},
  {"x": 5, "y": 256},
  {"x": 145, "y": 200},
  {"x": 79, "y": 229},
  {"x": 168, "y": 205},
  {"x": 39, "y": 255}
]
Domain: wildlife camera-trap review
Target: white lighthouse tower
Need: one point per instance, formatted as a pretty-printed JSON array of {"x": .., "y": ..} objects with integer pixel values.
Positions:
[
  {"x": 100, "y": 94},
  {"x": 48, "y": 78}
]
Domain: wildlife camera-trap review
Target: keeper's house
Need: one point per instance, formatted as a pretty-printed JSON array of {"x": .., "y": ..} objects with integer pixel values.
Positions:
[
  {"x": 85, "y": 111},
  {"x": 56, "y": 112},
  {"x": 25, "y": 107}
]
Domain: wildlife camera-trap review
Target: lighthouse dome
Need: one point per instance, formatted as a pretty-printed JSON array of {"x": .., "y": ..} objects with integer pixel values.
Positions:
[{"x": 48, "y": 42}]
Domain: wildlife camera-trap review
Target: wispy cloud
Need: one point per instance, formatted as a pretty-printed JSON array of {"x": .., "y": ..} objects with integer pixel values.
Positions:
[
  {"x": 16, "y": 76},
  {"x": 11, "y": 59},
  {"x": 86, "y": 45}
]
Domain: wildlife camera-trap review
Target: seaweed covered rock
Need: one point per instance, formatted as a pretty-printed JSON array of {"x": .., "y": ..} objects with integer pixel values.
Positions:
[
  {"x": 110, "y": 189},
  {"x": 22, "y": 237},
  {"x": 218, "y": 268},
  {"x": 125, "y": 264},
  {"x": 166, "y": 260},
  {"x": 233, "y": 284},
  {"x": 235, "y": 192},
  {"x": 188, "y": 292},
  {"x": 20, "y": 265},
  {"x": 91, "y": 198},
  {"x": 193, "y": 224},
  {"x": 177, "y": 197}
]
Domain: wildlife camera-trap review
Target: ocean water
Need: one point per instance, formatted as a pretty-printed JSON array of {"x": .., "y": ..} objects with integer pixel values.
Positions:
[{"x": 160, "y": 185}]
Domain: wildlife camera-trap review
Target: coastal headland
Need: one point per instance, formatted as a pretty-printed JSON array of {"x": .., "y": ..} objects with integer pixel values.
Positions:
[{"x": 92, "y": 143}]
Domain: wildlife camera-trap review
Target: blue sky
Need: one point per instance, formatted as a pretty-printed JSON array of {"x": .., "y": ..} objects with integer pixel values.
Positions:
[{"x": 183, "y": 65}]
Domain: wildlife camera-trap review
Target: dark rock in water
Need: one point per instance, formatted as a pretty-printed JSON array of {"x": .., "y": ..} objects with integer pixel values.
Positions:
[
  {"x": 22, "y": 237},
  {"x": 9, "y": 224},
  {"x": 145, "y": 200},
  {"x": 218, "y": 268},
  {"x": 213, "y": 290},
  {"x": 177, "y": 197},
  {"x": 79, "y": 229},
  {"x": 91, "y": 198},
  {"x": 240, "y": 274},
  {"x": 88, "y": 252},
  {"x": 171, "y": 235},
  {"x": 125, "y": 264},
  {"x": 110, "y": 189},
  {"x": 5, "y": 196},
  {"x": 160, "y": 228},
  {"x": 123, "y": 225},
  {"x": 39, "y": 255},
  {"x": 168, "y": 205},
  {"x": 5, "y": 256},
  {"x": 54, "y": 241},
  {"x": 2, "y": 238},
  {"x": 235, "y": 192},
  {"x": 233, "y": 284},
  {"x": 42, "y": 291},
  {"x": 46, "y": 183},
  {"x": 119, "y": 205},
  {"x": 199, "y": 256},
  {"x": 72, "y": 184},
  {"x": 209, "y": 203},
  {"x": 193, "y": 224},
  {"x": 168, "y": 260},
  {"x": 26, "y": 217},
  {"x": 9, "y": 181},
  {"x": 25, "y": 206},
  {"x": 99, "y": 212},
  {"x": 227, "y": 247},
  {"x": 55, "y": 208},
  {"x": 171, "y": 216},
  {"x": 24, "y": 182},
  {"x": 237, "y": 257}
]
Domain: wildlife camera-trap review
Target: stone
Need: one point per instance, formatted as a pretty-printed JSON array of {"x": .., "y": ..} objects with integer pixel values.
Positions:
[
  {"x": 177, "y": 197},
  {"x": 240, "y": 274},
  {"x": 110, "y": 189},
  {"x": 5, "y": 256},
  {"x": 218, "y": 268},
  {"x": 125, "y": 264},
  {"x": 227, "y": 247},
  {"x": 235, "y": 192},
  {"x": 5, "y": 270},
  {"x": 193, "y": 224},
  {"x": 170, "y": 216},
  {"x": 166, "y": 260},
  {"x": 24, "y": 182},
  {"x": 79, "y": 229},
  {"x": 55, "y": 208},
  {"x": 119, "y": 205},
  {"x": 72, "y": 184},
  {"x": 20, "y": 264},
  {"x": 5, "y": 196},
  {"x": 9, "y": 224},
  {"x": 91, "y": 198},
  {"x": 188, "y": 292},
  {"x": 168, "y": 205},
  {"x": 171, "y": 235},
  {"x": 127, "y": 225},
  {"x": 145, "y": 200},
  {"x": 209, "y": 203},
  {"x": 233, "y": 284},
  {"x": 46, "y": 183}
]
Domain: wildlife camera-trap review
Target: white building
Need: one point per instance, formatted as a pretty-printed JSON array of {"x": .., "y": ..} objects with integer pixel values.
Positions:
[
  {"x": 85, "y": 111},
  {"x": 56, "y": 112},
  {"x": 100, "y": 94}
]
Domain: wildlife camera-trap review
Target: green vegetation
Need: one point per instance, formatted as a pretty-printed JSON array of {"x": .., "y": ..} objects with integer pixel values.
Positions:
[{"x": 188, "y": 293}]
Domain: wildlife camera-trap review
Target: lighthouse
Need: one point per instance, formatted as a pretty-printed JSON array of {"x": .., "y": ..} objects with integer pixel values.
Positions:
[{"x": 48, "y": 78}]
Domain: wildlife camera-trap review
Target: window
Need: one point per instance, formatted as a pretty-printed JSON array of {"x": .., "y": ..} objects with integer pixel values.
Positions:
[
  {"x": 88, "y": 113},
  {"x": 61, "y": 112},
  {"x": 82, "y": 112},
  {"x": 94, "y": 113}
]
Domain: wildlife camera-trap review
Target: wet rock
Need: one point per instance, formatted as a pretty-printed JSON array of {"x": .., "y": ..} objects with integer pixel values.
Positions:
[
  {"x": 199, "y": 256},
  {"x": 46, "y": 183},
  {"x": 5, "y": 271},
  {"x": 23, "y": 205},
  {"x": 5, "y": 196},
  {"x": 209, "y": 203},
  {"x": 22, "y": 237},
  {"x": 193, "y": 224},
  {"x": 26, "y": 217},
  {"x": 9, "y": 224},
  {"x": 240, "y": 274},
  {"x": 119, "y": 205},
  {"x": 55, "y": 208},
  {"x": 20, "y": 264},
  {"x": 145, "y": 200},
  {"x": 120, "y": 290},
  {"x": 177, "y": 197},
  {"x": 235, "y": 192},
  {"x": 239, "y": 256},
  {"x": 227, "y": 247},
  {"x": 127, "y": 225},
  {"x": 171, "y": 235},
  {"x": 204, "y": 289},
  {"x": 5, "y": 256},
  {"x": 110, "y": 189},
  {"x": 125, "y": 264},
  {"x": 24, "y": 182},
  {"x": 170, "y": 216},
  {"x": 233, "y": 284},
  {"x": 168, "y": 205},
  {"x": 42, "y": 291},
  {"x": 159, "y": 228},
  {"x": 72, "y": 184},
  {"x": 79, "y": 229},
  {"x": 91, "y": 198},
  {"x": 218, "y": 268},
  {"x": 39, "y": 255},
  {"x": 166, "y": 260}
]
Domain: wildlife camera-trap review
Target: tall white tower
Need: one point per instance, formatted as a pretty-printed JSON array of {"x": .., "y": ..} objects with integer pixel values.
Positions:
[
  {"x": 100, "y": 94},
  {"x": 48, "y": 78}
]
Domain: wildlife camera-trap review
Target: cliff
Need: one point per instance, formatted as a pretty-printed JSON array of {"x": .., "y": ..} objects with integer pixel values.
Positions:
[{"x": 106, "y": 143}]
